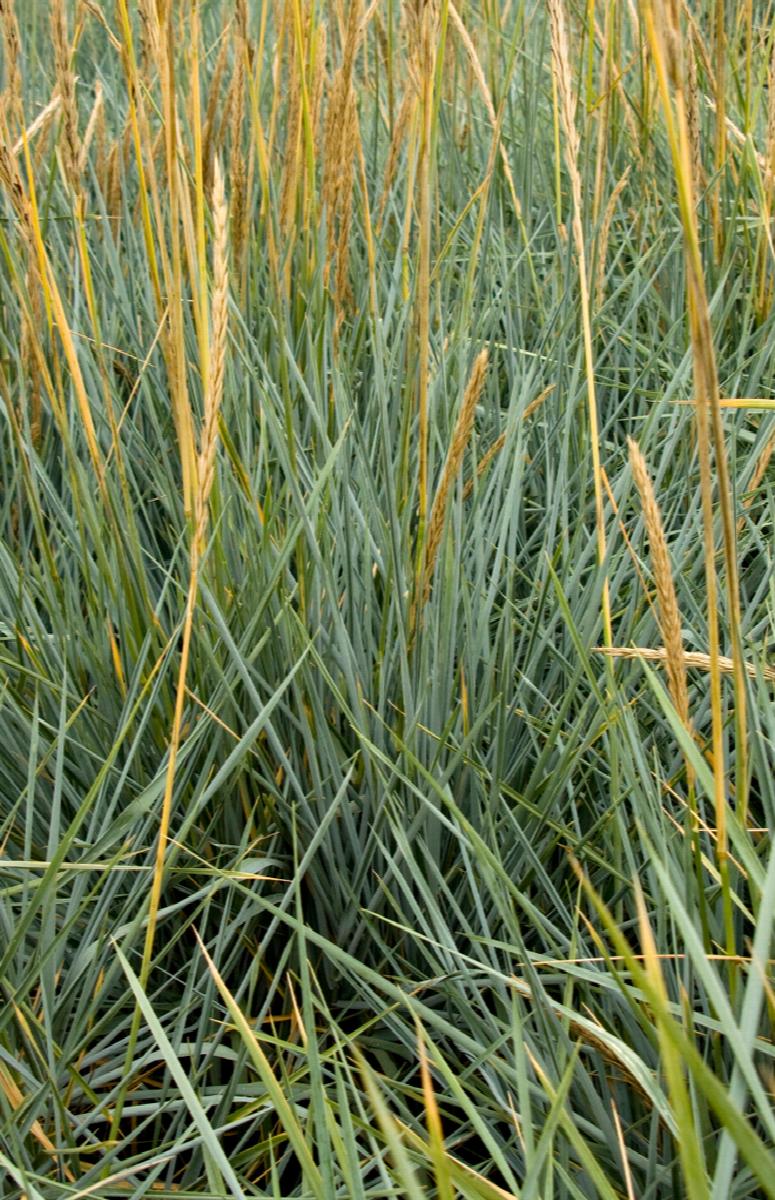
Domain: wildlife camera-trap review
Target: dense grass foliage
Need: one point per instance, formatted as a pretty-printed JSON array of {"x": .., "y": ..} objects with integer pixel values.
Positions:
[{"x": 338, "y": 859}]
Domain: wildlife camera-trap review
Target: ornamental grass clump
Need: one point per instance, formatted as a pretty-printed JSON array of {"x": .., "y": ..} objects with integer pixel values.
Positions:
[{"x": 386, "y": 619}]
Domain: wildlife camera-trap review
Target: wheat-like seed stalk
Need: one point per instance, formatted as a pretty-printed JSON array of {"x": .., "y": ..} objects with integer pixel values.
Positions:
[
  {"x": 339, "y": 146},
  {"x": 71, "y": 145},
  {"x": 290, "y": 170},
  {"x": 562, "y": 75},
  {"x": 693, "y": 121},
  {"x": 41, "y": 121},
  {"x": 150, "y": 32},
  {"x": 664, "y": 34},
  {"x": 484, "y": 462},
  {"x": 11, "y": 180},
  {"x": 770, "y": 147},
  {"x": 500, "y": 441},
  {"x": 567, "y": 105},
  {"x": 350, "y": 137},
  {"x": 12, "y": 95},
  {"x": 452, "y": 464},
  {"x": 760, "y": 471},
  {"x": 238, "y": 164},
  {"x": 31, "y": 322},
  {"x": 111, "y": 179},
  {"x": 400, "y": 127},
  {"x": 691, "y": 658},
  {"x": 95, "y": 10},
  {"x": 605, "y": 231},
  {"x": 667, "y": 601},
  {"x": 481, "y": 81},
  {"x": 220, "y": 325},
  {"x": 95, "y": 126},
  {"x": 212, "y": 119},
  {"x": 319, "y": 79},
  {"x": 30, "y": 329}
]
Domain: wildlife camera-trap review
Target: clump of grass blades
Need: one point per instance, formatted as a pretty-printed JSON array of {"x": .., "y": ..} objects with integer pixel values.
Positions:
[{"x": 365, "y": 829}]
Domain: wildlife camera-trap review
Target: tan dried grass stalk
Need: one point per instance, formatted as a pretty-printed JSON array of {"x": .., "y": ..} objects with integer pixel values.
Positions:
[
  {"x": 340, "y": 142},
  {"x": 41, "y": 121},
  {"x": 319, "y": 79},
  {"x": 238, "y": 163},
  {"x": 31, "y": 327},
  {"x": 669, "y": 615},
  {"x": 664, "y": 35},
  {"x": 93, "y": 7},
  {"x": 217, "y": 358},
  {"x": 460, "y": 438},
  {"x": 562, "y": 74},
  {"x": 205, "y": 475},
  {"x": 111, "y": 181},
  {"x": 484, "y": 462},
  {"x": 32, "y": 317},
  {"x": 403, "y": 117},
  {"x": 19, "y": 1102},
  {"x": 603, "y": 109},
  {"x": 691, "y": 658},
  {"x": 11, "y": 97},
  {"x": 100, "y": 143},
  {"x": 760, "y": 470},
  {"x": 96, "y": 124},
  {"x": 150, "y": 33},
  {"x": 481, "y": 82},
  {"x": 770, "y": 149},
  {"x": 423, "y": 31},
  {"x": 350, "y": 142},
  {"x": 605, "y": 231},
  {"x": 30, "y": 227},
  {"x": 71, "y": 142},
  {"x": 290, "y": 170},
  {"x": 213, "y": 116},
  {"x": 500, "y": 441},
  {"x": 11, "y": 182},
  {"x": 693, "y": 121}
]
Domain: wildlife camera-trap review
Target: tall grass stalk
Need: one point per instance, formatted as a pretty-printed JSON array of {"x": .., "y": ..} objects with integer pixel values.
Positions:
[
  {"x": 561, "y": 68},
  {"x": 671, "y": 74}
]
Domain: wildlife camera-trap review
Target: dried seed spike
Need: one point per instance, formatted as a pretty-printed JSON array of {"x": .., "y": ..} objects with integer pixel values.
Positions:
[
  {"x": 12, "y": 95},
  {"x": 460, "y": 438},
  {"x": 340, "y": 142},
  {"x": 212, "y": 119},
  {"x": 219, "y": 334},
  {"x": 150, "y": 33},
  {"x": 238, "y": 164},
  {"x": 562, "y": 73},
  {"x": 319, "y": 79},
  {"x": 605, "y": 230},
  {"x": 95, "y": 127},
  {"x": 396, "y": 142},
  {"x": 693, "y": 121},
  {"x": 667, "y": 601},
  {"x": 692, "y": 658},
  {"x": 288, "y": 187},
  {"x": 71, "y": 142}
]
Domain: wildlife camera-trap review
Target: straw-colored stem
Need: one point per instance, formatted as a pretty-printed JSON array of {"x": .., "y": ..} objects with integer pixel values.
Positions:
[
  {"x": 427, "y": 63},
  {"x": 11, "y": 98},
  {"x": 691, "y": 658},
  {"x": 566, "y": 105},
  {"x": 461, "y": 436},
  {"x": 667, "y": 601}
]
